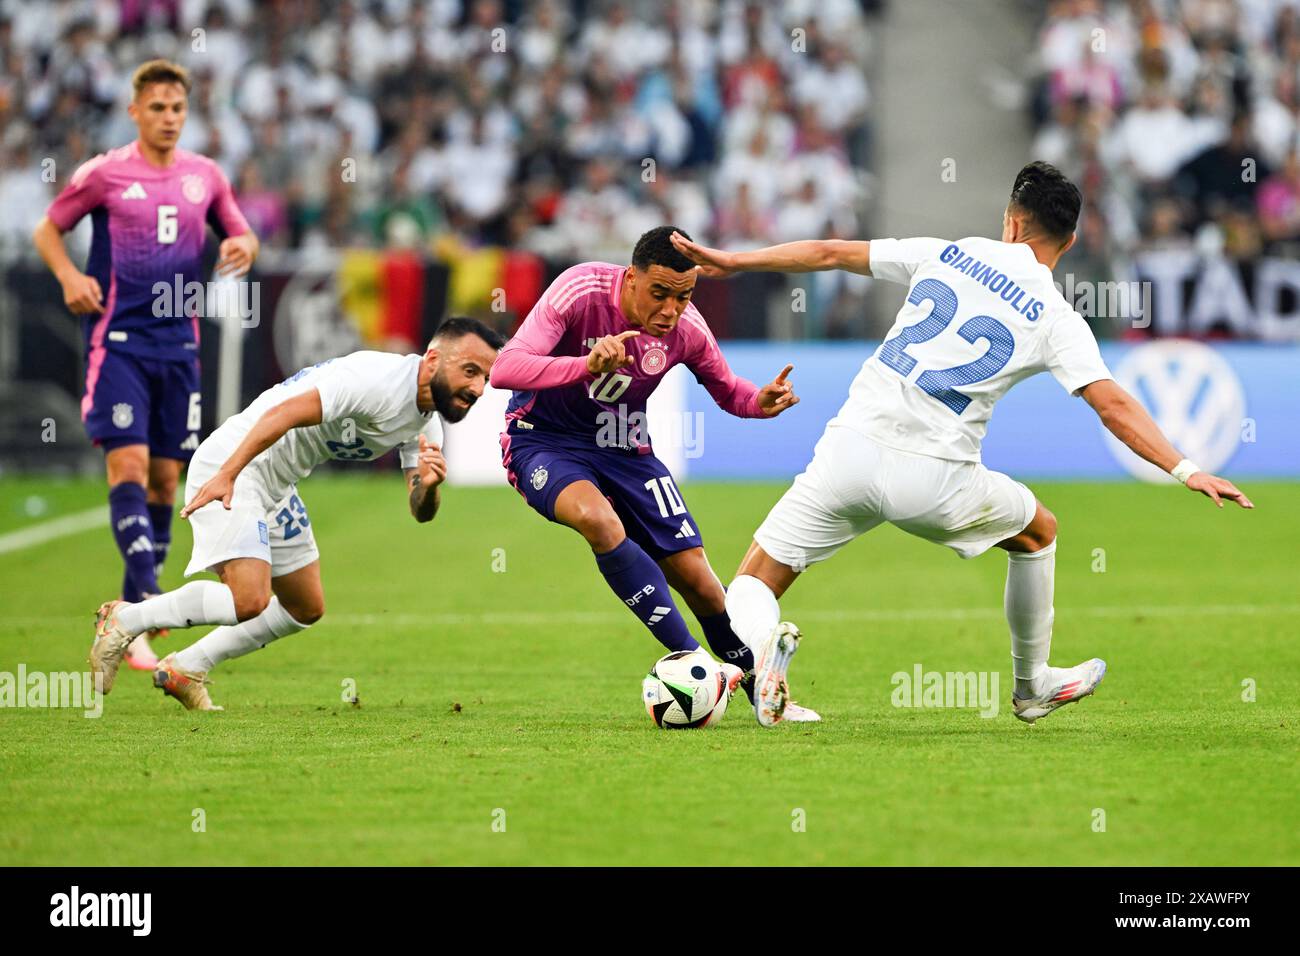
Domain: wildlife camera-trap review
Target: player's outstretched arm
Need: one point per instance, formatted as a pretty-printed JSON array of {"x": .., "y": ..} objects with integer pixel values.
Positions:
[
  {"x": 81, "y": 293},
  {"x": 424, "y": 479},
  {"x": 1128, "y": 421},
  {"x": 806, "y": 255},
  {"x": 298, "y": 412}
]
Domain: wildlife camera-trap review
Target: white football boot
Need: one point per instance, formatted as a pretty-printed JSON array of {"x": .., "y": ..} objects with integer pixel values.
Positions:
[
  {"x": 771, "y": 693},
  {"x": 111, "y": 642},
  {"x": 798, "y": 714},
  {"x": 1069, "y": 684},
  {"x": 794, "y": 713}
]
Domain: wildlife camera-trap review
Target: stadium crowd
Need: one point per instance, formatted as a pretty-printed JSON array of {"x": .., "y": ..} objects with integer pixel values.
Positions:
[
  {"x": 561, "y": 127},
  {"x": 1178, "y": 119}
]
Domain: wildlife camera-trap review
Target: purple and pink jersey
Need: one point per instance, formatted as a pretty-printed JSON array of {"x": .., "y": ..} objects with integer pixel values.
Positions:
[
  {"x": 149, "y": 228},
  {"x": 546, "y": 361}
]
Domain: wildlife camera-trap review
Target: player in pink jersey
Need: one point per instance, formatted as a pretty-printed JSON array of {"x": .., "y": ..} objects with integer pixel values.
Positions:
[
  {"x": 150, "y": 204},
  {"x": 576, "y": 447}
]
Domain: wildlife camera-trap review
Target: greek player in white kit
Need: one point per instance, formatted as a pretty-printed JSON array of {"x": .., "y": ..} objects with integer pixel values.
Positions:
[
  {"x": 250, "y": 525},
  {"x": 905, "y": 448}
]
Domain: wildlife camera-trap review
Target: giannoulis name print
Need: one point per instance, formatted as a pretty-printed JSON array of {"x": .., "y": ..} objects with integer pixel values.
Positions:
[{"x": 103, "y": 909}]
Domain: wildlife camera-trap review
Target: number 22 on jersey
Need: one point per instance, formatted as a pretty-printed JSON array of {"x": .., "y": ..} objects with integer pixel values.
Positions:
[{"x": 941, "y": 383}]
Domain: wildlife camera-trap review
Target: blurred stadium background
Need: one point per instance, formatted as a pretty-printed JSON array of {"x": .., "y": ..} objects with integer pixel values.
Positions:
[{"x": 404, "y": 160}]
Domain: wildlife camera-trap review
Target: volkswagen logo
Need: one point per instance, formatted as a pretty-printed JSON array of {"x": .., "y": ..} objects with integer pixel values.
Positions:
[{"x": 1194, "y": 396}]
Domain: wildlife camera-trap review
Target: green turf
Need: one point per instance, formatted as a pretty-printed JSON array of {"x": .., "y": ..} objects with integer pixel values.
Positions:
[{"x": 545, "y": 666}]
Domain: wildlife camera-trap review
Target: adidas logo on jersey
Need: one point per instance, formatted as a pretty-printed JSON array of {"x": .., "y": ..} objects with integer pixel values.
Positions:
[
  {"x": 686, "y": 531},
  {"x": 190, "y": 443},
  {"x": 134, "y": 191}
]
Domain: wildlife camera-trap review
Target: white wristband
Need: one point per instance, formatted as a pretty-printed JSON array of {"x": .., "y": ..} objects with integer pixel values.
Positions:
[{"x": 1185, "y": 469}]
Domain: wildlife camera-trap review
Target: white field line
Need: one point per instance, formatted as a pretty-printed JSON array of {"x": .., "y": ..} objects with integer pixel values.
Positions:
[
  {"x": 406, "y": 619},
  {"x": 53, "y": 529}
]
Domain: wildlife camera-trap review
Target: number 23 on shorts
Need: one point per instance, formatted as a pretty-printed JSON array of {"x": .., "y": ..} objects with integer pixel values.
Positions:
[{"x": 293, "y": 518}]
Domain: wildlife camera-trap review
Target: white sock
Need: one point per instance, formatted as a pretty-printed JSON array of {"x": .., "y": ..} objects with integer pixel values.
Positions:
[
  {"x": 1031, "y": 580},
  {"x": 753, "y": 610},
  {"x": 236, "y": 641},
  {"x": 199, "y": 602}
]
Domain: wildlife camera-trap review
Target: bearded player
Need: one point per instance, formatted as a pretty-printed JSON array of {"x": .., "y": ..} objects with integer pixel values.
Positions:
[
  {"x": 150, "y": 205},
  {"x": 250, "y": 524},
  {"x": 582, "y": 367},
  {"x": 905, "y": 448}
]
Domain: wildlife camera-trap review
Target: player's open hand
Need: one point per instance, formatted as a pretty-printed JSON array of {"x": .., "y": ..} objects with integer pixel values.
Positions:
[
  {"x": 1216, "y": 489},
  {"x": 217, "y": 488},
  {"x": 431, "y": 466},
  {"x": 609, "y": 354},
  {"x": 81, "y": 294},
  {"x": 777, "y": 395},
  {"x": 235, "y": 256},
  {"x": 712, "y": 263}
]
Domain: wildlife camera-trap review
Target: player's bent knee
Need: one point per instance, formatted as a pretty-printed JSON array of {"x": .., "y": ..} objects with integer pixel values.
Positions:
[
  {"x": 1049, "y": 528},
  {"x": 250, "y": 603},
  {"x": 1040, "y": 533},
  {"x": 1043, "y": 528},
  {"x": 129, "y": 463},
  {"x": 306, "y": 613},
  {"x": 776, "y": 575},
  {"x": 602, "y": 529},
  {"x": 128, "y": 473},
  {"x": 161, "y": 492}
]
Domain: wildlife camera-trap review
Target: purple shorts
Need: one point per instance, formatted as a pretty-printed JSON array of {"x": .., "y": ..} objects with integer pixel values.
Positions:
[
  {"x": 141, "y": 401},
  {"x": 640, "y": 488}
]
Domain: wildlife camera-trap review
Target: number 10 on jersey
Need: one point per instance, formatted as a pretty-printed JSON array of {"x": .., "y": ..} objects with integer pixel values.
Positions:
[{"x": 608, "y": 387}]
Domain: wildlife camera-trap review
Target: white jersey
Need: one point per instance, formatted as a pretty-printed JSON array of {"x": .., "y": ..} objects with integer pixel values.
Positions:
[
  {"x": 980, "y": 316},
  {"x": 368, "y": 406}
]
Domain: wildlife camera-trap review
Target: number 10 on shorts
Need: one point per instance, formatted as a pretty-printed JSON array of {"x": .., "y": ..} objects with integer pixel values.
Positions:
[{"x": 666, "y": 496}]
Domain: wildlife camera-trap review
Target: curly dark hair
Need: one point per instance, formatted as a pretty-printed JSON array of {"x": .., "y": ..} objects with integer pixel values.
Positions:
[
  {"x": 655, "y": 249},
  {"x": 1049, "y": 199}
]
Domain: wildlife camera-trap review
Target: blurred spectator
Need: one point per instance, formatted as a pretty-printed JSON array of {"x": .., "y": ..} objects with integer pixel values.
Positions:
[
  {"x": 1170, "y": 114},
  {"x": 561, "y": 127},
  {"x": 1279, "y": 203},
  {"x": 21, "y": 197},
  {"x": 265, "y": 209},
  {"x": 1152, "y": 139},
  {"x": 1223, "y": 177}
]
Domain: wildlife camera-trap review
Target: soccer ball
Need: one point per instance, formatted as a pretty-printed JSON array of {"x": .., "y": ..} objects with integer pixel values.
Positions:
[{"x": 685, "y": 689}]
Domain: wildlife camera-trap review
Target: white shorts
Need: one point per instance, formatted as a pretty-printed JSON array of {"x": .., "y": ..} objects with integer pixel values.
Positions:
[
  {"x": 854, "y": 484},
  {"x": 260, "y": 524}
]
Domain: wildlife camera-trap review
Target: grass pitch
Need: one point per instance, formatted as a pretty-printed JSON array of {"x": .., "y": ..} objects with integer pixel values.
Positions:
[{"x": 499, "y": 719}]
